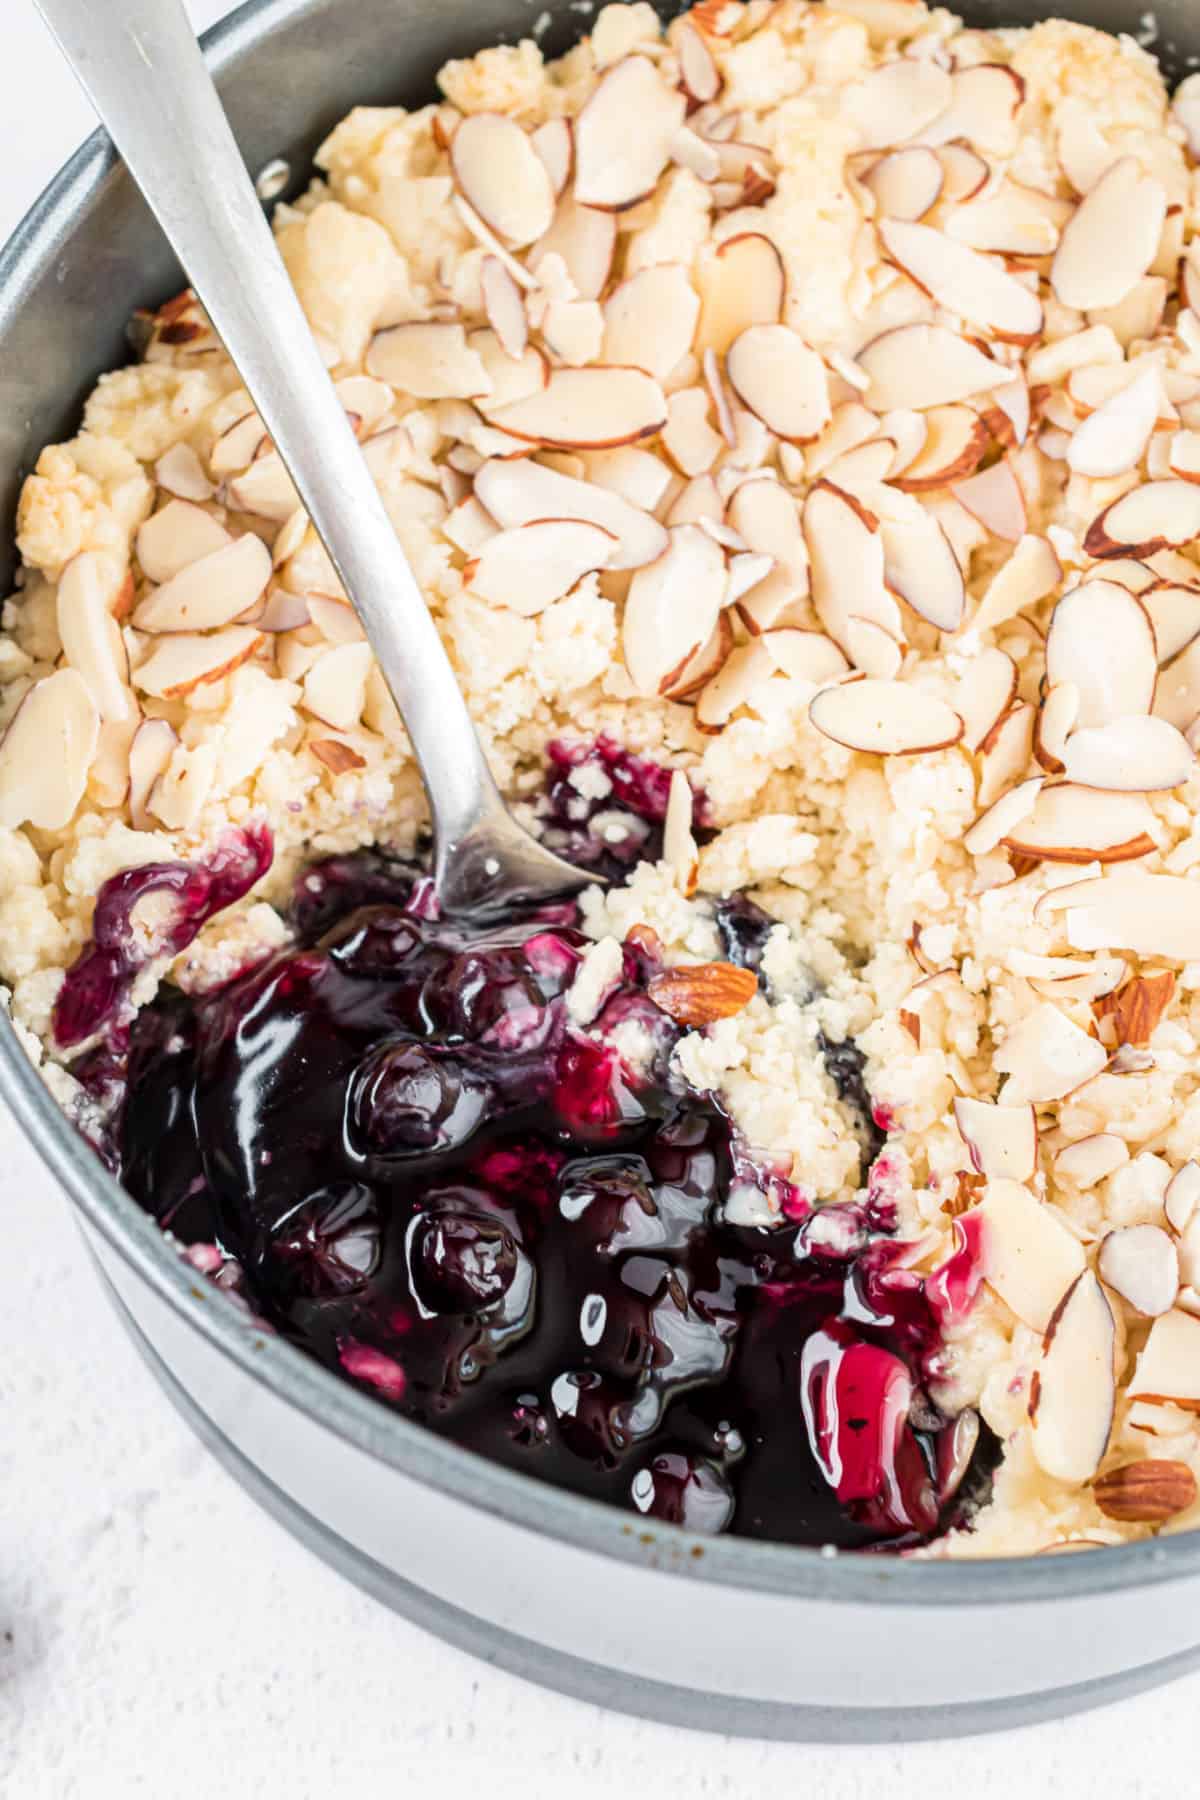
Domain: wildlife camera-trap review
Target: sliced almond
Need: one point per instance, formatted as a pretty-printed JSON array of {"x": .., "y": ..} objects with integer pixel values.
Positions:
[
  {"x": 638, "y": 476},
  {"x": 211, "y": 592},
  {"x": 1010, "y": 221},
  {"x": 734, "y": 685},
  {"x": 907, "y": 184},
  {"x": 1101, "y": 641},
  {"x": 585, "y": 239},
  {"x": 1138, "y": 315},
  {"x": 1174, "y": 614},
  {"x": 845, "y": 551},
  {"x": 1168, "y": 1369},
  {"x": 428, "y": 361},
  {"x": 337, "y": 756},
  {"x": 954, "y": 443},
  {"x": 531, "y": 566},
  {"x": 623, "y": 135},
  {"x": 767, "y": 517},
  {"x": 965, "y": 172},
  {"x": 1182, "y": 1197},
  {"x": 687, "y": 436},
  {"x": 963, "y": 281},
  {"x": 553, "y": 146},
  {"x": 985, "y": 693},
  {"x": 587, "y": 409},
  {"x": 265, "y": 489},
  {"x": 1003, "y": 817},
  {"x": 1030, "y": 573},
  {"x": 697, "y": 994},
  {"x": 1177, "y": 696},
  {"x": 1112, "y": 239},
  {"x": 335, "y": 686},
  {"x": 672, "y": 608},
  {"x": 897, "y": 100},
  {"x": 984, "y": 101},
  {"x": 518, "y": 493},
  {"x": 183, "y": 661},
  {"x": 1002, "y": 1140},
  {"x": 650, "y": 320},
  {"x": 1128, "y": 909},
  {"x": 504, "y": 306},
  {"x": 1079, "y": 824},
  {"x": 884, "y": 718},
  {"x": 807, "y": 656},
  {"x": 502, "y": 177},
  {"x": 741, "y": 285},
  {"x": 89, "y": 633},
  {"x": 180, "y": 472},
  {"x": 152, "y": 748},
  {"x": 1140, "y": 1263},
  {"x": 1136, "y": 754},
  {"x": 46, "y": 753},
  {"x": 919, "y": 564},
  {"x": 994, "y": 497},
  {"x": 782, "y": 381},
  {"x": 336, "y": 622},
  {"x": 238, "y": 445},
  {"x": 1074, "y": 1393},
  {"x": 1113, "y": 439},
  {"x": 1030, "y": 1257},
  {"x": 920, "y": 366},
  {"x": 1091, "y": 1159},
  {"x": 1056, "y": 720},
  {"x": 1045, "y": 1057},
  {"x": 872, "y": 649},
  {"x": 704, "y": 667},
  {"x": 1005, "y": 752}
]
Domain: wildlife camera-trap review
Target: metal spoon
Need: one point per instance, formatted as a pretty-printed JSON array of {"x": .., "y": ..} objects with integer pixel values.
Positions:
[{"x": 140, "y": 64}]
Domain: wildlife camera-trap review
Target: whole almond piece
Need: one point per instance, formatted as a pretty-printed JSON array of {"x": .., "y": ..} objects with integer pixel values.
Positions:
[
  {"x": 1146, "y": 1492},
  {"x": 698, "y": 993}
]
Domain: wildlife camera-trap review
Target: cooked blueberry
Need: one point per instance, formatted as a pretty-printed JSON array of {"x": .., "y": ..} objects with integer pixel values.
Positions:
[
  {"x": 409, "y": 1099},
  {"x": 327, "y": 1245},
  {"x": 744, "y": 929},
  {"x": 683, "y": 1490},
  {"x": 461, "y": 1262}
]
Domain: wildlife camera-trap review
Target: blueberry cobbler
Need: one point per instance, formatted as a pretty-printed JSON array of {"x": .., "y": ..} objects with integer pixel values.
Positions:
[{"x": 792, "y": 416}]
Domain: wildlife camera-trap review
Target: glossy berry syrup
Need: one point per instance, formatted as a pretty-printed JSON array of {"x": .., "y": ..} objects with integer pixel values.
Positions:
[{"x": 393, "y": 1141}]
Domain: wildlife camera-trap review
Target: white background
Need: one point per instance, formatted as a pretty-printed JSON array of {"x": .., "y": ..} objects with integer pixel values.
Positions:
[{"x": 159, "y": 1636}]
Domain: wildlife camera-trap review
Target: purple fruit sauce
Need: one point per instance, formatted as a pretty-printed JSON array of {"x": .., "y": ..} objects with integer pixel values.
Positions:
[{"x": 392, "y": 1141}]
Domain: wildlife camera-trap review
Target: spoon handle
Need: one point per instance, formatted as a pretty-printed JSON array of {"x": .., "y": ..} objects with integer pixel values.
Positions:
[{"x": 140, "y": 63}]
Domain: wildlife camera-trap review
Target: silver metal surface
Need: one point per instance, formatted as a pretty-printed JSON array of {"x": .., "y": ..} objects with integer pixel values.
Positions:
[
  {"x": 84, "y": 258},
  {"x": 141, "y": 66}
]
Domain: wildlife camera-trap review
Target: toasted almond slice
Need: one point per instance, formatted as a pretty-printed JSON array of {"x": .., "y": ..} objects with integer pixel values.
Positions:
[
  {"x": 920, "y": 366},
  {"x": 428, "y": 361},
  {"x": 696, "y": 994},
  {"x": 1168, "y": 1369},
  {"x": 1079, "y": 824},
  {"x": 1089, "y": 1160},
  {"x": 1030, "y": 573},
  {"x": 335, "y": 686},
  {"x": 984, "y": 102},
  {"x": 1072, "y": 1399},
  {"x": 1057, "y": 718},
  {"x": 623, "y": 135},
  {"x": 994, "y": 497},
  {"x": 672, "y": 608},
  {"x": 179, "y": 471},
  {"x": 504, "y": 306},
  {"x": 744, "y": 671},
  {"x": 741, "y": 285},
  {"x": 184, "y": 661},
  {"x": 1140, "y": 1263},
  {"x": 906, "y": 184},
  {"x": 1002, "y": 1140},
  {"x": 872, "y": 649},
  {"x": 1112, "y": 240},
  {"x": 1011, "y": 221},
  {"x": 1045, "y": 1057},
  {"x": 985, "y": 693},
  {"x": 897, "y": 100},
  {"x": 964, "y": 170},
  {"x": 884, "y": 718},
  {"x": 1114, "y": 437},
  {"x": 585, "y": 239},
  {"x": 46, "y": 752},
  {"x": 530, "y": 566},
  {"x": 845, "y": 551},
  {"x": 153, "y": 746},
  {"x": 552, "y": 144},
  {"x": 587, "y": 409},
  {"x": 955, "y": 440},
  {"x": 1101, "y": 640},
  {"x": 807, "y": 656},
  {"x": 650, "y": 320},
  {"x": 963, "y": 281},
  {"x": 1029, "y": 1255},
  {"x": 502, "y": 177},
  {"x": 237, "y": 446},
  {"x": 337, "y": 756},
  {"x": 919, "y": 563},
  {"x": 210, "y": 592},
  {"x": 1136, "y": 754},
  {"x": 782, "y": 381},
  {"x": 1003, "y": 817}
]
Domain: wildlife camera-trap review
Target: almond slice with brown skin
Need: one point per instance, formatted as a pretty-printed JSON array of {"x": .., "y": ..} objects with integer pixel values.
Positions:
[
  {"x": 152, "y": 748},
  {"x": 872, "y": 649},
  {"x": 1009, "y": 414},
  {"x": 984, "y": 101},
  {"x": 705, "y": 666},
  {"x": 1010, "y": 221},
  {"x": 1030, "y": 573},
  {"x": 884, "y": 718},
  {"x": 807, "y": 656},
  {"x": 1168, "y": 1369},
  {"x": 336, "y": 622},
  {"x": 509, "y": 378},
  {"x": 964, "y": 171},
  {"x": 428, "y": 361},
  {"x": 1005, "y": 753},
  {"x": 767, "y": 517},
  {"x": 1045, "y": 1057},
  {"x": 587, "y": 409},
  {"x": 517, "y": 493},
  {"x": 986, "y": 691},
  {"x": 696, "y": 994},
  {"x": 1177, "y": 696},
  {"x": 238, "y": 445},
  {"x": 1127, "y": 909},
  {"x": 180, "y": 472},
  {"x": 907, "y": 184},
  {"x": 897, "y": 100},
  {"x": 337, "y": 756},
  {"x": 211, "y": 592},
  {"x": 1089, "y": 1160},
  {"x": 650, "y": 320},
  {"x": 687, "y": 437},
  {"x": 585, "y": 239},
  {"x": 1137, "y": 754},
  {"x": 89, "y": 633},
  {"x": 1073, "y": 1393},
  {"x": 1002, "y": 1140},
  {"x": 963, "y": 281},
  {"x": 741, "y": 284},
  {"x": 1076, "y": 824},
  {"x": 552, "y": 144},
  {"x": 994, "y": 497},
  {"x": 623, "y": 135},
  {"x": 672, "y": 608},
  {"x": 1112, "y": 239},
  {"x": 845, "y": 550},
  {"x": 863, "y": 468},
  {"x": 183, "y": 661},
  {"x": 742, "y": 673},
  {"x": 919, "y": 366},
  {"x": 1101, "y": 640},
  {"x": 1140, "y": 1263},
  {"x": 504, "y": 306},
  {"x": 1056, "y": 720},
  {"x": 1003, "y": 817},
  {"x": 919, "y": 561},
  {"x": 954, "y": 444},
  {"x": 531, "y": 566},
  {"x": 502, "y": 178},
  {"x": 264, "y": 490},
  {"x": 698, "y": 72},
  {"x": 1029, "y": 1255},
  {"x": 1113, "y": 439},
  {"x": 1148, "y": 1492},
  {"x": 46, "y": 753},
  {"x": 783, "y": 382}
]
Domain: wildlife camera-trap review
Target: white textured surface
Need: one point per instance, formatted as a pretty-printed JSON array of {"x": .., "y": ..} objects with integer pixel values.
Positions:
[{"x": 160, "y": 1637}]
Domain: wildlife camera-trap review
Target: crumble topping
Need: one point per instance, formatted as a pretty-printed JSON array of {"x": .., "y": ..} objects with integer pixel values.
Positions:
[{"x": 808, "y": 397}]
